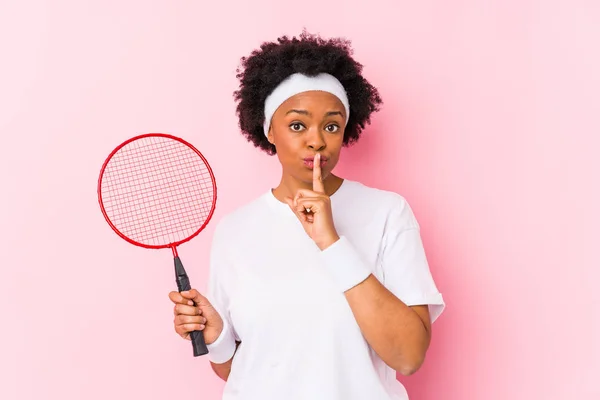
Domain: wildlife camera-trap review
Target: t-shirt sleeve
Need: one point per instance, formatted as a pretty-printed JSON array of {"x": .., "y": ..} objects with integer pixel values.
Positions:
[
  {"x": 406, "y": 271},
  {"x": 224, "y": 347}
]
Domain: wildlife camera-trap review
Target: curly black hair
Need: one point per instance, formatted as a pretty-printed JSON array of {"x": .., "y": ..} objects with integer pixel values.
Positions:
[{"x": 265, "y": 68}]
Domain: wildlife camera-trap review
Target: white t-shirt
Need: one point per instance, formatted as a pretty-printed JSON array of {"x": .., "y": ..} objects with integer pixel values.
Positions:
[{"x": 283, "y": 297}]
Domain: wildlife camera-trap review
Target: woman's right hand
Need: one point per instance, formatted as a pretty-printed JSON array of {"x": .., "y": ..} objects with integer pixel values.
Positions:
[{"x": 193, "y": 312}]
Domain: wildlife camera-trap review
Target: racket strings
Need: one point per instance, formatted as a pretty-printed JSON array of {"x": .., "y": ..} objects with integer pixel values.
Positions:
[
  {"x": 157, "y": 191},
  {"x": 153, "y": 194},
  {"x": 125, "y": 200}
]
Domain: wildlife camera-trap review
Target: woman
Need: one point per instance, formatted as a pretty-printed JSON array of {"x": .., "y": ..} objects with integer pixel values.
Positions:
[{"x": 319, "y": 288}]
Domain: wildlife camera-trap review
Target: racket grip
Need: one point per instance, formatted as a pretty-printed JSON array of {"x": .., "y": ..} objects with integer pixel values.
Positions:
[
  {"x": 198, "y": 343},
  {"x": 183, "y": 284}
]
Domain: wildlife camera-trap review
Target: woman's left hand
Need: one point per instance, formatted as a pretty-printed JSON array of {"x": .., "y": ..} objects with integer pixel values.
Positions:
[{"x": 313, "y": 209}]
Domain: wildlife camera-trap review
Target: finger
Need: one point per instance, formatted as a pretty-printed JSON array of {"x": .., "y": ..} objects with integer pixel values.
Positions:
[
  {"x": 196, "y": 297},
  {"x": 299, "y": 194},
  {"x": 298, "y": 211},
  {"x": 187, "y": 328},
  {"x": 177, "y": 298},
  {"x": 193, "y": 327},
  {"x": 317, "y": 177},
  {"x": 294, "y": 206},
  {"x": 291, "y": 203},
  {"x": 308, "y": 194},
  {"x": 181, "y": 331},
  {"x": 312, "y": 204},
  {"x": 305, "y": 206},
  {"x": 189, "y": 319},
  {"x": 186, "y": 310}
]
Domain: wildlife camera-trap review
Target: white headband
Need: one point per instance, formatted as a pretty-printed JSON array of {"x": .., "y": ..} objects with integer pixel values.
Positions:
[{"x": 299, "y": 83}]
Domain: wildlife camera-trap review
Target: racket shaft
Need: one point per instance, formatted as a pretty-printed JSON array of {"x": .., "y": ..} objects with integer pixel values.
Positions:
[{"x": 183, "y": 284}]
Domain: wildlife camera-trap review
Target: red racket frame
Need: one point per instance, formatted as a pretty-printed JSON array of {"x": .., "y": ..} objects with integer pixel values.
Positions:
[{"x": 172, "y": 245}]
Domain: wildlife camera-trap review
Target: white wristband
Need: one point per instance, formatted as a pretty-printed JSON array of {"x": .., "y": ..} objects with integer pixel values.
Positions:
[
  {"x": 345, "y": 264},
  {"x": 222, "y": 349}
]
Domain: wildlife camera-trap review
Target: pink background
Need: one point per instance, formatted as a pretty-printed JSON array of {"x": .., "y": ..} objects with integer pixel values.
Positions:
[{"x": 490, "y": 129}]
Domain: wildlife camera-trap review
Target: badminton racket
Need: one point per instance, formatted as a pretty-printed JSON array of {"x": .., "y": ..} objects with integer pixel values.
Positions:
[{"x": 157, "y": 191}]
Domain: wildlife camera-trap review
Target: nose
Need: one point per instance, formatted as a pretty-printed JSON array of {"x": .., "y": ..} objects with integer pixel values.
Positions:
[{"x": 315, "y": 140}]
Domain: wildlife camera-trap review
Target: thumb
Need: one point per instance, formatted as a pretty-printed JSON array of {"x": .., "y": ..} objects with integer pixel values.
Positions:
[
  {"x": 300, "y": 215},
  {"x": 196, "y": 297},
  {"x": 290, "y": 202}
]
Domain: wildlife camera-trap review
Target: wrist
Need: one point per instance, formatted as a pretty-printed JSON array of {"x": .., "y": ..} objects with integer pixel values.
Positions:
[
  {"x": 328, "y": 241},
  {"x": 223, "y": 348},
  {"x": 345, "y": 264},
  {"x": 219, "y": 332}
]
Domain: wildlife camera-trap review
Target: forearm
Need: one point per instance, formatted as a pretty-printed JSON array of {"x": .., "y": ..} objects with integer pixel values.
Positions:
[
  {"x": 394, "y": 330},
  {"x": 223, "y": 370},
  {"x": 399, "y": 334}
]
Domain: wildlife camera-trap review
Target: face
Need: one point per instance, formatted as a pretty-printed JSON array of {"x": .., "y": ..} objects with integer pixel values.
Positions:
[{"x": 306, "y": 124}]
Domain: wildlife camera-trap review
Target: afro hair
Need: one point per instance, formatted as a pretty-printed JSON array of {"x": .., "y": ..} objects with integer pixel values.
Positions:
[{"x": 265, "y": 68}]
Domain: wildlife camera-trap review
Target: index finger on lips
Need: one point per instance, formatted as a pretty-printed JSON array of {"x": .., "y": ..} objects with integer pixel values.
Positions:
[{"x": 317, "y": 175}]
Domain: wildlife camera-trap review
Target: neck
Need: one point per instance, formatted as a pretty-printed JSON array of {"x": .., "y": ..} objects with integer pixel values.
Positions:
[{"x": 289, "y": 186}]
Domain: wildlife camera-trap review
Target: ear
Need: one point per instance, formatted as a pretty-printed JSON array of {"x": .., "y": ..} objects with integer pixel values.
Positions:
[{"x": 270, "y": 135}]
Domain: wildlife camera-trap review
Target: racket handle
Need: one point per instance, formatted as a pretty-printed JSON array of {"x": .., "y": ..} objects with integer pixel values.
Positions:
[{"x": 183, "y": 283}]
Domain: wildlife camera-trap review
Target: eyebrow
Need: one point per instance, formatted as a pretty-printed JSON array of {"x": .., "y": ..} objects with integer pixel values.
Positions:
[{"x": 304, "y": 112}]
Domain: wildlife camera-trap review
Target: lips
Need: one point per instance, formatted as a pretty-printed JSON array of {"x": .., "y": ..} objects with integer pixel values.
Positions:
[{"x": 310, "y": 161}]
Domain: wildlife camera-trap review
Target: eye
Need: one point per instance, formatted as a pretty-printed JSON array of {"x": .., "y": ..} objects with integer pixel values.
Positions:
[
  {"x": 296, "y": 127},
  {"x": 332, "y": 128}
]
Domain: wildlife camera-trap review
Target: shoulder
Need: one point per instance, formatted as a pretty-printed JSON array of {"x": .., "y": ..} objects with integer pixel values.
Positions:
[
  {"x": 391, "y": 205},
  {"x": 364, "y": 192},
  {"x": 241, "y": 218}
]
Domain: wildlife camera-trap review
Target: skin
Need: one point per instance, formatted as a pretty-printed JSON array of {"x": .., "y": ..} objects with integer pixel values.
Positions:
[{"x": 311, "y": 124}]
